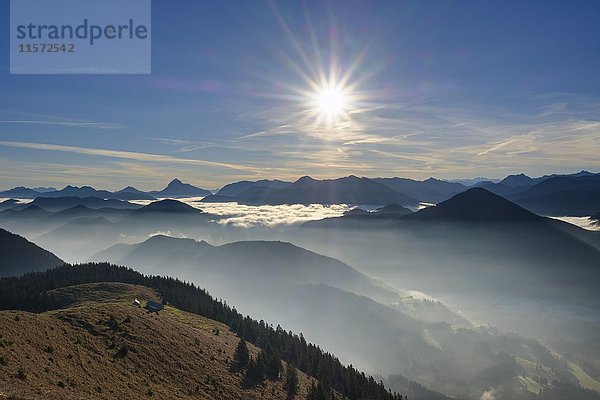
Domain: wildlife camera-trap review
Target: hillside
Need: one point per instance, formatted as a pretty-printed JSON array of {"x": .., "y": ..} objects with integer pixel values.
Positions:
[
  {"x": 158, "y": 345},
  {"x": 18, "y": 255},
  {"x": 239, "y": 267},
  {"x": 100, "y": 346},
  {"x": 37, "y": 292}
]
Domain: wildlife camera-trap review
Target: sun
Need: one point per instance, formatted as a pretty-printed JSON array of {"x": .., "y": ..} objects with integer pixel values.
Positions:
[{"x": 331, "y": 102}]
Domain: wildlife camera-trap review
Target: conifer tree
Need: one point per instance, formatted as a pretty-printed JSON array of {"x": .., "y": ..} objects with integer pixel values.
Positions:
[
  {"x": 291, "y": 381},
  {"x": 318, "y": 392},
  {"x": 255, "y": 373},
  {"x": 273, "y": 363},
  {"x": 241, "y": 355}
]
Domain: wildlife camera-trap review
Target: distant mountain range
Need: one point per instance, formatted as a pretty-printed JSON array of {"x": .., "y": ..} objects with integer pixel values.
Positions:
[
  {"x": 430, "y": 190},
  {"x": 18, "y": 255},
  {"x": 234, "y": 189},
  {"x": 174, "y": 189},
  {"x": 524, "y": 180},
  {"x": 556, "y": 195},
  {"x": 306, "y": 190},
  {"x": 62, "y": 203}
]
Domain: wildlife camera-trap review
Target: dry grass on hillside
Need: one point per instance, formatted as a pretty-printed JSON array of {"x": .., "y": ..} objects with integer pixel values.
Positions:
[{"x": 101, "y": 347}]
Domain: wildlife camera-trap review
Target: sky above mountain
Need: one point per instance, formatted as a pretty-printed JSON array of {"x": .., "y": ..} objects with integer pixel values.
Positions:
[{"x": 251, "y": 90}]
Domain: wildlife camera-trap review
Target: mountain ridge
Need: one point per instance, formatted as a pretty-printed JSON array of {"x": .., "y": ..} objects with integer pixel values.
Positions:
[{"x": 19, "y": 256}]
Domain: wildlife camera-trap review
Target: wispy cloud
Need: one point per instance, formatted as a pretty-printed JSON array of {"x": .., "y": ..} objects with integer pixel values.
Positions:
[
  {"x": 183, "y": 146},
  {"x": 126, "y": 155},
  {"x": 439, "y": 137},
  {"x": 497, "y": 147},
  {"x": 76, "y": 124}
]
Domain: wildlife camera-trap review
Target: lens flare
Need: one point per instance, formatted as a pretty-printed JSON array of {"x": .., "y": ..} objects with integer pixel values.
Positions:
[{"x": 331, "y": 102}]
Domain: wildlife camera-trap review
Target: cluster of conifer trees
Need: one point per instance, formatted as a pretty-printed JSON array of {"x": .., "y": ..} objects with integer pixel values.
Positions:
[
  {"x": 267, "y": 365},
  {"x": 30, "y": 293}
]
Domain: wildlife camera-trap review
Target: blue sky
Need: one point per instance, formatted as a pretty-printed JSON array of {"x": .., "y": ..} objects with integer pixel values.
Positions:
[{"x": 450, "y": 89}]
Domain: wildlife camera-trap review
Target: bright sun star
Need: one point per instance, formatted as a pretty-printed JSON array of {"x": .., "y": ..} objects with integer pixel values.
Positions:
[{"x": 331, "y": 102}]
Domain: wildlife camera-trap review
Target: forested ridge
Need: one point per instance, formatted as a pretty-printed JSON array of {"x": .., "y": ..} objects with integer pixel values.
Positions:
[{"x": 30, "y": 293}]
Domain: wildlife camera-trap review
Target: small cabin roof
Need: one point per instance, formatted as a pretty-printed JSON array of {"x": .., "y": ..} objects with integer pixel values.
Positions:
[{"x": 153, "y": 306}]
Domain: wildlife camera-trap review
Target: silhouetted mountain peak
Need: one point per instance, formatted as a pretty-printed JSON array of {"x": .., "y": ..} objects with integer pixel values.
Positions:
[
  {"x": 169, "y": 206},
  {"x": 477, "y": 204},
  {"x": 177, "y": 188},
  {"x": 517, "y": 180},
  {"x": 305, "y": 180},
  {"x": 129, "y": 189},
  {"x": 174, "y": 183}
]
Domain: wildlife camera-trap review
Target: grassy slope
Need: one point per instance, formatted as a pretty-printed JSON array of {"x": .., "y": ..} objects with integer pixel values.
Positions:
[{"x": 75, "y": 352}]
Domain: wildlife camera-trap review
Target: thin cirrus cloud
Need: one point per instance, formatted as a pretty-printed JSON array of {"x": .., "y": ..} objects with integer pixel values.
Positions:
[
  {"x": 420, "y": 139},
  {"x": 76, "y": 124},
  {"x": 415, "y": 140},
  {"x": 181, "y": 145},
  {"x": 125, "y": 155}
]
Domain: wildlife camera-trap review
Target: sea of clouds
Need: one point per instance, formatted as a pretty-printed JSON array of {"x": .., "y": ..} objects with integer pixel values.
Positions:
[{"x": 250, "y": 216}]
